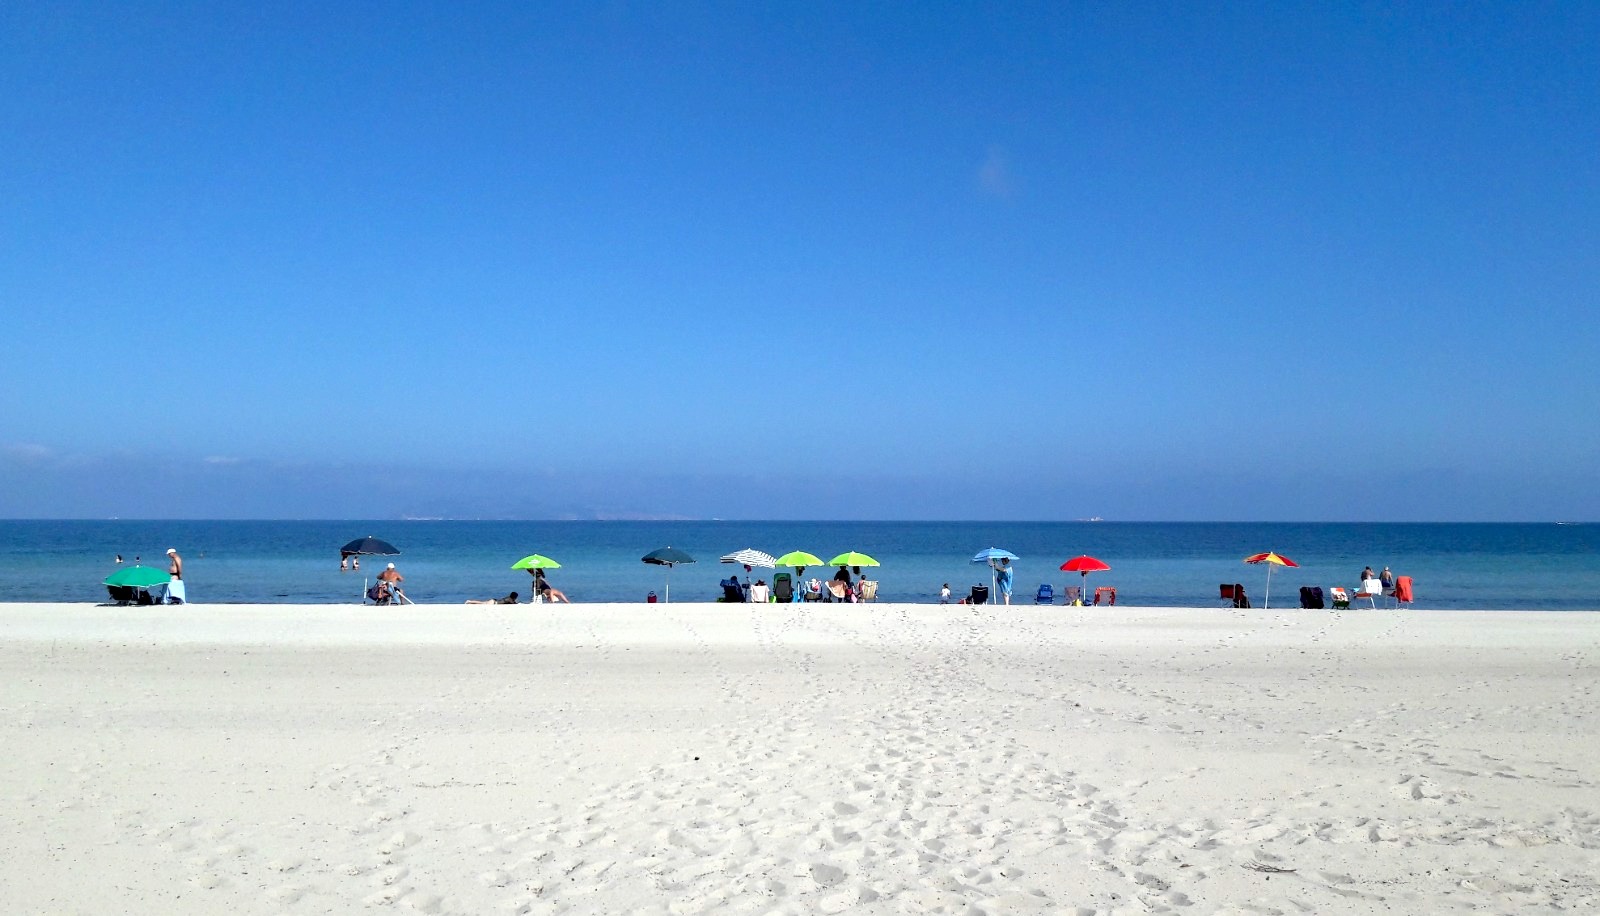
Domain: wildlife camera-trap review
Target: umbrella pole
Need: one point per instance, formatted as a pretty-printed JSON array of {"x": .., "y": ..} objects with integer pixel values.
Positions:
[{"x": 1266, "y": 601}]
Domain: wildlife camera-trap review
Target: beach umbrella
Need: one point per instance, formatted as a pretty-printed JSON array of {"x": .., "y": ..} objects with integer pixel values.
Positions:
[
  {"x": 138, "y": 577},
  {"x": 370, "y": 546},
  {"x": 1271, "y": 559},
  {"x": 668, "y": 557},
  {"x": 993, "y": 556},
  {"x": 798, "y": 560},
  {"x": 1083, "y": 566},
  {"x": 852, "y": 559},
  {"x": 536, "y": 561},
  {"x": 750, "y": 557}
]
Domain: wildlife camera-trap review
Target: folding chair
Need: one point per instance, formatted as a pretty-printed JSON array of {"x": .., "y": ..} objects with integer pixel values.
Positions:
[
  {"x": 1109, "y": 592},
  {"x": 1047, "y": 595},
  {"x": 1402, "y": 590}
]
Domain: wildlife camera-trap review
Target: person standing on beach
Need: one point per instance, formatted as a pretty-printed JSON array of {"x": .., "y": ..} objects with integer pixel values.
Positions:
[
  {"x": 1367, "y": 574},
  {"x": 944, "y": 593},
  {"x": 1387, "y": 578},
  {"x": 175, "y": 567},
  {"x": 1003, "y": 577}
]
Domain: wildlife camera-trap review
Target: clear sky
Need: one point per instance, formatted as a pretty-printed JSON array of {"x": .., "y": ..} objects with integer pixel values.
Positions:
[{"x": 801, "y": 260}]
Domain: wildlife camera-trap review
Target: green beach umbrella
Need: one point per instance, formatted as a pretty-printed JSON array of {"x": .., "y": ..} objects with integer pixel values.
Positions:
[
  {"x": 668, "y": 557},
  {"x": 536, "y": 561},
  {"x": 852, "y": 559},
  {"x": 138, "y": 577},
  {"x": 798, "y": 559}
]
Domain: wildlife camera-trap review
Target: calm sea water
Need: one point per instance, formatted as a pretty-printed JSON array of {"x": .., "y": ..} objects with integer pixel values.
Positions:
[{"x": 1487, "y": 566}]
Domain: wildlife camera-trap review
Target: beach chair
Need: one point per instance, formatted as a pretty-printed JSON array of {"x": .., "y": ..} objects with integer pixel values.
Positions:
[
  {"x": 836, "y": 590},
  {"x": 121, "y": 594},
  {"x": 813, "y": 590},
  {"x": 782, "y": 588},
  {"x": 1402, "y": 590},
  {"x": 980, "y": 595},
  {"x": 1072, "y": 596},
  {"x": 1047, "y": 594},
  {"x": 1228, "y": 598},
  {"x": 1341, "y": 600},
  {"x": 1317, "y": 597},
  {"x": 731, "y": 592},
  {"x": 1109, "y": 592},
  {"x": 1309, "y": 599},
  {"x": 1372, "y": 590},
  {"x": 869, "y": 590}
]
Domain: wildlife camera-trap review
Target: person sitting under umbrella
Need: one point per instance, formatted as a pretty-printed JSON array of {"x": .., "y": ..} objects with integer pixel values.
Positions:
[{"x": 542, "y": 588}]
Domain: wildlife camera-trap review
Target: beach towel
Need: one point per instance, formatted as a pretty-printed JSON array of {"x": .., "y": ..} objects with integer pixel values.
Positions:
[{"x": 1402, "y": 590}]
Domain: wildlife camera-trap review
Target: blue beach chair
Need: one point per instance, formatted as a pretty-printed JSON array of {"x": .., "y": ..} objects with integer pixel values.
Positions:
[{"x": 1047, "y": 594}]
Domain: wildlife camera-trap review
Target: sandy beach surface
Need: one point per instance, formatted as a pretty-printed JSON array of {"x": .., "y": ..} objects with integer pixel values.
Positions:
[{"x": 697, "y": 758}]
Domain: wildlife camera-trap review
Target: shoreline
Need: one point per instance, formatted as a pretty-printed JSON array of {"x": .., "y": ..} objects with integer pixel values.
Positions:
[{"x": 653, "y": 758}]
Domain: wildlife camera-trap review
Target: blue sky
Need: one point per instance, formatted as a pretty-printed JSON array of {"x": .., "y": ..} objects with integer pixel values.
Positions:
[{"x": 999, "y": 261}]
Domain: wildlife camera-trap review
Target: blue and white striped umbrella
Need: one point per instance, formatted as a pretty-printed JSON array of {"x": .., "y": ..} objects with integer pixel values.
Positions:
[{"x": 752, "y": 557}]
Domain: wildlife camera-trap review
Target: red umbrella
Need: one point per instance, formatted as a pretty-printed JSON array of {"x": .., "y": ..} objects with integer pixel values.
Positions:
[
  {"x": 1084, "y": 566},
  {"x": 1271, "y": 559}
]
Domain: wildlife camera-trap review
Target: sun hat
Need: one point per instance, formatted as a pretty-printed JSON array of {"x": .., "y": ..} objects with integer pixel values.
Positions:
[{"x": 172, "y": 550}]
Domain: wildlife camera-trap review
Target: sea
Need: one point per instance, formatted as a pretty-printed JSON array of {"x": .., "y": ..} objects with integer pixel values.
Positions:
[{"x": 1453, "y": 566}]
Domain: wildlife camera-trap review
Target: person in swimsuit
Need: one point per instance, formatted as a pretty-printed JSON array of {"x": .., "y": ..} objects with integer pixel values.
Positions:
[
  {"x": 175, "y": 567},
  {"x": 542, "y": 587},
  {"x": 391, "y": 578},
  {"x": 509, "y": 599}
]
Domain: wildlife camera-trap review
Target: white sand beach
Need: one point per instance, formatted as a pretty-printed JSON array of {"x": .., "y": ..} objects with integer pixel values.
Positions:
[{"x": 698, "y": 758}]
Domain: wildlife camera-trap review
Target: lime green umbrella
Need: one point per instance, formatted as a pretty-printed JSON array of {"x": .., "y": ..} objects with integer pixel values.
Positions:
[
  {"x": 852, "y": 559},
  {"x": 536, "y": 562},
  {"x": 138, "y": 577},
  {"x": 798, "y": 559}
]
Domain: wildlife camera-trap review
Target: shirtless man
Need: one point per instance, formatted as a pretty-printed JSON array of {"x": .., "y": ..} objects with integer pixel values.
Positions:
[
  {"x": 176, "y": 566},
  {"x": 393, "y": 577}
]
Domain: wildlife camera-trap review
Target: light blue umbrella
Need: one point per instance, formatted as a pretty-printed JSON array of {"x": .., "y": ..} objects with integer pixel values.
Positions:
[{"x": 993, "y": 555}]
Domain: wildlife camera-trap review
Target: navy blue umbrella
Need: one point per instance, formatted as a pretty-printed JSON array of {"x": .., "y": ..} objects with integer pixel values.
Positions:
[
  {"x": 369, "y": 546},
  {"x": 668, "y": 557}
]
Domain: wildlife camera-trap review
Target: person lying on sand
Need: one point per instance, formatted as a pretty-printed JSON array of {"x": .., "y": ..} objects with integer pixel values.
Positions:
[{"x": 509, "y": 599}]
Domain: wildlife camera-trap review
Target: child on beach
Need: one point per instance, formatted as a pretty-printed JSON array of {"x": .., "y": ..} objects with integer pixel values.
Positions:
[{"x": 944, "y": 593}]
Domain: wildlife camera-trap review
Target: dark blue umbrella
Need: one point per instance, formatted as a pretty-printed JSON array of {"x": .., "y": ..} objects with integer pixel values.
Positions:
[
  {"x": 369, "y": 546},
  {"x": 668, "y": 557}
]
